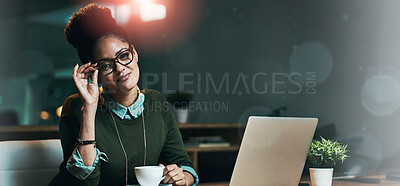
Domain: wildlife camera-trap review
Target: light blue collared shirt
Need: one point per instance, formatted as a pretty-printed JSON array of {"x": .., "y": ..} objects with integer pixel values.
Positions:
[
  {"x": 77, "y": 168},
  {"x": 126, "y": 112},
  {"x": 75, "y": 164}
]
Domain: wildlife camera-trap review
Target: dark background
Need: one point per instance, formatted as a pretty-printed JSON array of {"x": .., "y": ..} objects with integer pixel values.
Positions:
[{"x": 260, "y": 52}]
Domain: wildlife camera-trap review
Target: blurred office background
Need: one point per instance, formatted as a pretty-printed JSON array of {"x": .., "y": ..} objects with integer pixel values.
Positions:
[{"x": 335, "y": 60}]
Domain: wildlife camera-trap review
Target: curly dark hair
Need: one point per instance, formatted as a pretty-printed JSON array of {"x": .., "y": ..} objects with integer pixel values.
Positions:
[{"x": 87, "y": 26}]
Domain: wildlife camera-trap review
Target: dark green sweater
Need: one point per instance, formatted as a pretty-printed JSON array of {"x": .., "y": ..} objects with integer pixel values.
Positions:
[{"x": 164, "y": 141}]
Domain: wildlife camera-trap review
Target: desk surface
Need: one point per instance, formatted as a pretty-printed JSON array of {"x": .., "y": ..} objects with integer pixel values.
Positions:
[{"x": 379, "y": 175}]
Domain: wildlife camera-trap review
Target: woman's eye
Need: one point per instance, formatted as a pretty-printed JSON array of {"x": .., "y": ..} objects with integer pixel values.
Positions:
[
  {"x": 105, "y": 66},
  {"x": 124, "y": 56}
]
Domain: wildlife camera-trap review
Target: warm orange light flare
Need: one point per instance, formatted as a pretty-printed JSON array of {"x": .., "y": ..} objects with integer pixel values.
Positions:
[
  {"x": 44, "y": 115},
  {"x": 59, "y": 110},
  {"x": 152, "y": 12},
  {"x": 155, "y": 25},
  {"x": 123, "y": 13}
]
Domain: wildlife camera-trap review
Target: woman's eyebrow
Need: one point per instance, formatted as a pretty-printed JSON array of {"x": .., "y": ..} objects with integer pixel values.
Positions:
[
  {"x": 104, "y": 59},
  {"x": 116, "y": 53},
  {"x": 119, "y": 51}
]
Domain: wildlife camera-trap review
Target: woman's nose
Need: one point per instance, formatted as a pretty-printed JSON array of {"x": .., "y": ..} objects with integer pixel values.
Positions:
[{"x": 119, "y": 68}]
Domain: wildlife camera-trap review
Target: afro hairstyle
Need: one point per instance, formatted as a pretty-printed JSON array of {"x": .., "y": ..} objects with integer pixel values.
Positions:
[{"x": 87, "y": 26}]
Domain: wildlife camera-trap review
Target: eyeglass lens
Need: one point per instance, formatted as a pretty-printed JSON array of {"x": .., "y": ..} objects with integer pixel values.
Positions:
[{"x": 107, "y": 66}]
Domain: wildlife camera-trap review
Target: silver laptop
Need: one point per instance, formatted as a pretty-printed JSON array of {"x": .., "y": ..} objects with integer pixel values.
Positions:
[{"x": 273, "y": 151}]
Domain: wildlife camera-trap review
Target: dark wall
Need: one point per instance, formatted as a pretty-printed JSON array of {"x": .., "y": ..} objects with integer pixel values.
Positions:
[{"x": 335, "y": 60}]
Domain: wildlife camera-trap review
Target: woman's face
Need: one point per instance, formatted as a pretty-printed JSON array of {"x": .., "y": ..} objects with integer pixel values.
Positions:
[{"x": 123, "y": 78}]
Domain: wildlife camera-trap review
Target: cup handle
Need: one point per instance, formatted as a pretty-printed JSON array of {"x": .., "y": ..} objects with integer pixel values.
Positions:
[{"x": 162, "y": 178}]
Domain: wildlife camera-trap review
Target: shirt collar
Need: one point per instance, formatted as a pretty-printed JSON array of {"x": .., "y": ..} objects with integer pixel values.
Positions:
[{"x": 125, "y": 112}]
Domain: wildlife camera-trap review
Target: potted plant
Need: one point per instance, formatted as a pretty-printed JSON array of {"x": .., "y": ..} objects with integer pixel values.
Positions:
[
  {"x": 180, "y": 100},
  {"x": 323, "y": 156}
]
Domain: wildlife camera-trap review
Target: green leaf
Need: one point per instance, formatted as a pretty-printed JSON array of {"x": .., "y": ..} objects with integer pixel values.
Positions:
[{"x": 326, "y": 153}]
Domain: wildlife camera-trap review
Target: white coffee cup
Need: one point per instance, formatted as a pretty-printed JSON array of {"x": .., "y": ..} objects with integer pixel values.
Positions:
[{"x": 149, "y": 175}]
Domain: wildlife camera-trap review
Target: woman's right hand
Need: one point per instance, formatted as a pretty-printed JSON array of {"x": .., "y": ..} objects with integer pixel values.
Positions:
[{"x": 88, "y": 92}]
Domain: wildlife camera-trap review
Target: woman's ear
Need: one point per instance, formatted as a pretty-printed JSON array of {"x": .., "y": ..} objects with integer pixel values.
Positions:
[{"x": 135, "y": 54}]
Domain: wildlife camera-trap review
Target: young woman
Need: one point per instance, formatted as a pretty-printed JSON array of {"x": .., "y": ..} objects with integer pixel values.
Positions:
[{"x": 105, "y": 134}]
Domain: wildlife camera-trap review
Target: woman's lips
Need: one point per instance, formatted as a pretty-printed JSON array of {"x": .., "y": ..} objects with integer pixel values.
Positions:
[{"x": 124, "y": 77}]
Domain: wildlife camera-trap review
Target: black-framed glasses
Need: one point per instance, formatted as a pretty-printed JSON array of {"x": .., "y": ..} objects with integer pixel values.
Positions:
[{"x": 123, "y": 57}]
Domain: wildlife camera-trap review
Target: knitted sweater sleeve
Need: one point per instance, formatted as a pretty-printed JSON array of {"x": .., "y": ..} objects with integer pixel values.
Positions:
[
  {"x": 174, "y": 151},
  {"x": 69, "y": 126}
]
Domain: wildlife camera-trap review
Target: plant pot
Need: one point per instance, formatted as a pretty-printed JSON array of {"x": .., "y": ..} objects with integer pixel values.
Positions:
[
  {"x": 321, "y": 176},
  {"x": 182, "y": 115}
]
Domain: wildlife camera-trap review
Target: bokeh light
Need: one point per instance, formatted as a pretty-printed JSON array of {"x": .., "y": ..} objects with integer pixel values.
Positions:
[
  {"x": 123, "y": 13},
  {"x": 152, "y": 12},
  {"x": 311, "y": 56},
  {"x": 44, "y": 115},
  {"x": 59, "y": 111},
  {"x": 151, "y": 23},
  {"x": 380, "y": 95}
]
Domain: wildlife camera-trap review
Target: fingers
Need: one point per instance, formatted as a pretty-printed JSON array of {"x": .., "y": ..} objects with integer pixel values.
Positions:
[
  {"x": 95, "y": 76},
  {"x": 76, "y": 78},
  {"x": 85, "y": 71},
  {"x": 168, "y": 172},
  {"x": 179, "y": 179},
  {"x": 86, "y": 75},
  {"x": 180, "y": 182},
  {"x": 81, "y": 75},
  {"x": 169, "y": 168},
  {"x": 88, "y": 70},
  {"x": 83, "y": 67},
  {"x": 75, "y": 71},
  {"x": 174, "y": 174}
]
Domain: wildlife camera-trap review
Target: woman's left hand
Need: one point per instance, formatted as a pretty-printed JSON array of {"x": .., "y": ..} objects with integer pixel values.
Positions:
[{"x": 174, "y": 175}]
